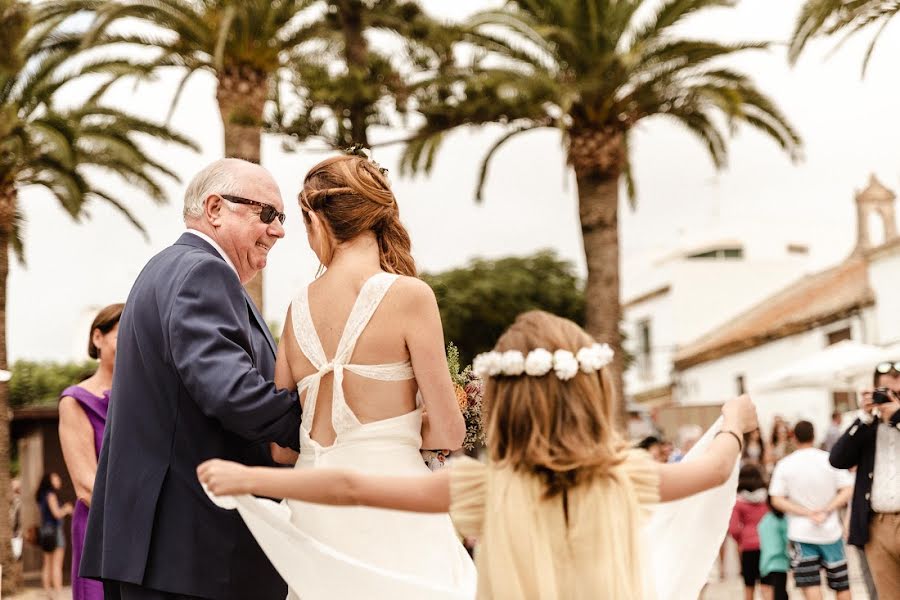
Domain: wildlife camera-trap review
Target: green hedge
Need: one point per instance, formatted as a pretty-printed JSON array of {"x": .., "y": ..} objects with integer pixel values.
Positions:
[{"x": 41, "y": 382}]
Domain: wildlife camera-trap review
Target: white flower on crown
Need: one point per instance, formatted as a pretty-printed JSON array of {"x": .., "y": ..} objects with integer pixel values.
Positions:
[
  {"x": 565, "y": 365},
  {"x": 512, "y": 362},
  {"x": 488, "y": 364},
  {"x": 538, "y": 363},
  {"x": 595, "y": 357}
]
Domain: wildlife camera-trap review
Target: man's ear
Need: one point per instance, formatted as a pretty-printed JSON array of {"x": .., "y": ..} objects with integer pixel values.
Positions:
[{"x": 212, "y": 209}]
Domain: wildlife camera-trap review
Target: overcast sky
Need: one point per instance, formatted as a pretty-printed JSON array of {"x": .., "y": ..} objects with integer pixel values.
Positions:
[{"x": 850, "y": 126}]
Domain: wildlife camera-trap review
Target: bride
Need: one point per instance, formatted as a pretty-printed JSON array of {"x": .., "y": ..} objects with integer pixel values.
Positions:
[{"x": 363, "y": 345}]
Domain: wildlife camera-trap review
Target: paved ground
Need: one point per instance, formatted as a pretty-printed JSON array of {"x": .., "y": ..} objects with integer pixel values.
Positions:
[{"x": 731, "y": 588}]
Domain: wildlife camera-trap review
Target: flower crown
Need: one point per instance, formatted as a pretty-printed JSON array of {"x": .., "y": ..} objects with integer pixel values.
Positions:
[{"x": 539, "y": 362}]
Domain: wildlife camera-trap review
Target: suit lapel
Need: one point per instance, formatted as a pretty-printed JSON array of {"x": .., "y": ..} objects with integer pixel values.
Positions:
[
  {"x": 189, "y": 239},
  {"x": 261, "y": 322}
]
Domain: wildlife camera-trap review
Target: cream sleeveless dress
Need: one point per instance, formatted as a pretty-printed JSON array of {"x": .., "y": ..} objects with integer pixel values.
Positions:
[{"x": 326, "y": 552}]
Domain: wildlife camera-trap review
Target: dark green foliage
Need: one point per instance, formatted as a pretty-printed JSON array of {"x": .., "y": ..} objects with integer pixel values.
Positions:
[
  {"x": 594, "y": 66},
  {"x": 479, "y": 301},
  {"x": 41, "y": 382}
]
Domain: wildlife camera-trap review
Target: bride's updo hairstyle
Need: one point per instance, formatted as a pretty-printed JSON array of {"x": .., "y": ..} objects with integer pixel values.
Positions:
[
  {"x": 352, "y": 196},
  {"x": 560, "y": 431}
]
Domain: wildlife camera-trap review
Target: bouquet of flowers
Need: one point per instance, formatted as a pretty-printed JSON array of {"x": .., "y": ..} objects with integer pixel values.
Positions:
[{"x": 469, "y": 392}]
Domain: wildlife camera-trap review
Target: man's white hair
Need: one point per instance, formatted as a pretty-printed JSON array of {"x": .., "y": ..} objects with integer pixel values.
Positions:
[{"x": 219, "y": 177}]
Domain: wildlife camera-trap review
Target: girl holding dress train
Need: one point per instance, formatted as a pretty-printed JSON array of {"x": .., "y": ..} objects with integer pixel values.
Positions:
[{"x": 558, "y": 505}]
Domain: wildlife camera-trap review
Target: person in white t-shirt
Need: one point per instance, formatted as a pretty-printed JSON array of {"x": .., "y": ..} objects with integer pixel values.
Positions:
[{"x": 809, "y": 491}]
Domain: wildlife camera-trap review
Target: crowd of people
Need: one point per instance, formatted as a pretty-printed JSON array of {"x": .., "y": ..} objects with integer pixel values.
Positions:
[{"x": 801, "y": 506}]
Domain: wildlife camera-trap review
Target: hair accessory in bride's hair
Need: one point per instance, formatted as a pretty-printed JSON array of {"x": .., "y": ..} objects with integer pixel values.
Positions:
[
  {"x": 366, "y": 153},
  {"x": 539, "y": 362}
]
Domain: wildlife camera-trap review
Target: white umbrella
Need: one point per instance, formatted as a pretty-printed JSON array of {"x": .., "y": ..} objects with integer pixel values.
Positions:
[
  {"x": 865, "y": 370},
  {"x": 835, "y": 367}
]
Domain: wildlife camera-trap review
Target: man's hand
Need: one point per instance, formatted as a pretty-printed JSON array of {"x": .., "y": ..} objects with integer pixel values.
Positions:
[
  {"x": 283, "y": 456},
  {"x": 888, "y": 410},
  {"x": 818, "y": 516},
  {"x": 224, "y": 478},
  {"x": 864, "y": 399}
]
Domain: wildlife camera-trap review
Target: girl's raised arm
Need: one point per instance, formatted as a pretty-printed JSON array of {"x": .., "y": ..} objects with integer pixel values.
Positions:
[{"x": 423, "y": 493}]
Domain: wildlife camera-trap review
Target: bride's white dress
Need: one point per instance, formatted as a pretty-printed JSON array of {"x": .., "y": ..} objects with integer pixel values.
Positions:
[{"x": 325, "y": 552}]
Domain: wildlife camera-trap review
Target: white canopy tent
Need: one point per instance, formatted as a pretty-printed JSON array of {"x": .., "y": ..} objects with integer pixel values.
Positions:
[{"x": 842, "y": 366}]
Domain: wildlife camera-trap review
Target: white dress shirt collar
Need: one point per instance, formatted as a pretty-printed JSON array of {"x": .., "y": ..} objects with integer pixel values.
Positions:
[{"x": 213, "y": 243}]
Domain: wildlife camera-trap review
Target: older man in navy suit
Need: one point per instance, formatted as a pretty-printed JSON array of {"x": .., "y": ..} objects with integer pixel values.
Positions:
[{"x": 193, "y": 381}]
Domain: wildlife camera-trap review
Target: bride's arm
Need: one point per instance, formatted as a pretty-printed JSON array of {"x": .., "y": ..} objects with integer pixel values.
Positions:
[
  {"x": 423, "y": 493},
  {"x": 443, "y": 427},
  {"x": 284, "y": 379}
]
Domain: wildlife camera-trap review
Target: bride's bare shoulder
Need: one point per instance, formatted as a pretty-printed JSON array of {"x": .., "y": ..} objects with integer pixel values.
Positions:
[{"x": 412, "y": 292}]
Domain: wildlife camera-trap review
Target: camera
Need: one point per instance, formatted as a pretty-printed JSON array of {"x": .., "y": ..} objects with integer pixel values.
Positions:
[{"x": 882, "y": 396}]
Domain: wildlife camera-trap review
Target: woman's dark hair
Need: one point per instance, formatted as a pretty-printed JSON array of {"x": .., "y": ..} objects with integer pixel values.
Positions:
[
  {"x": 772, "y": 508},
  {"x": 44, "y": 487},
  {"x": 648, "y": 442},
  {"x": 787, "y": 433},
  {"x": 105, "y": 320},
  {"x": 750, "y": 478}
]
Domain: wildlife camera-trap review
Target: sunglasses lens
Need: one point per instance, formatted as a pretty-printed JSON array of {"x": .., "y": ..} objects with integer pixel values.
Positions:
[
  {"x": 267, "y": 215},
  {"x": 885, "y": 367}
]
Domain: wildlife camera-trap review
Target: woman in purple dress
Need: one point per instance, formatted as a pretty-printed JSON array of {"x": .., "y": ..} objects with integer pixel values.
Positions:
[{"x": 82, "y": 418}]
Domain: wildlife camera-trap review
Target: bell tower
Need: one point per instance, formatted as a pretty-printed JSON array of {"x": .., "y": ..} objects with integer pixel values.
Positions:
[{"x": 874, "y": 207}]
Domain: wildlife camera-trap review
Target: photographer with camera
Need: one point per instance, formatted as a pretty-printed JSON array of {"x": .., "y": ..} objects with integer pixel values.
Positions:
[{"x": 872, "y": 445}]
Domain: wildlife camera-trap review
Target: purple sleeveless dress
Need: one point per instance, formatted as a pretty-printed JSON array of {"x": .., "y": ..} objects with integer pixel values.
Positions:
[{"x": 95, "y": 408}]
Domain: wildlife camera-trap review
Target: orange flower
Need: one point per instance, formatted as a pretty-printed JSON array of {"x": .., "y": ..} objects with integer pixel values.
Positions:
[{"x": 461, "y": 398}]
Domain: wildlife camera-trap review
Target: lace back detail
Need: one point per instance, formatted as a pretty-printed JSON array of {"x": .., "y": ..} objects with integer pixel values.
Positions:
[{"x": 370, "y": 297}]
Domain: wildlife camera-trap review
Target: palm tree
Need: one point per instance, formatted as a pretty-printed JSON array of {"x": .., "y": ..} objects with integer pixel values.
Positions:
[
  {"x": 595, "y": 69},
  {"x": 244, "y": 44},
  {"x": 347, "y": 86},
  {"x": 44, "y": 145},
  {"x": 830, "y": 17}
]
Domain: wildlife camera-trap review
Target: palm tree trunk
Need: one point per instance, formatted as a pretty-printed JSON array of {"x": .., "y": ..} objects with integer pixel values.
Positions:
[
  {"x": 597, "y": 158},
  {"x": 242, "y": 94},
  {"x": 11, "y": 569},
  {"x": 356, "y": 53}
]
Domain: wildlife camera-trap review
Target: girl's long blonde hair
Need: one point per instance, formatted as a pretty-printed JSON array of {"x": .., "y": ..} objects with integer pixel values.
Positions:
[{"x": 561, "y": 431}]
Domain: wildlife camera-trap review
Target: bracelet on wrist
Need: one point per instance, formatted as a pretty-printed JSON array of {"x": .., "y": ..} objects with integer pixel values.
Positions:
[{"x": 735, "y": 436}]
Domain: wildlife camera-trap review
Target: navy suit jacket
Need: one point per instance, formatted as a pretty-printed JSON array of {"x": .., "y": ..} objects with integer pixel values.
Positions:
[{"x": 193, "y": 381}]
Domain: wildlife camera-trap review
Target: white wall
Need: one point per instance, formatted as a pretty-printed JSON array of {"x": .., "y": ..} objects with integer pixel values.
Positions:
[
  {"x": 715, "y": 381},
  {"x": 662, "y": 319},
  {"x": 884, "y": 277},
  {"x": 707, "y": 293},
  {"x": 703, "y": 294}
]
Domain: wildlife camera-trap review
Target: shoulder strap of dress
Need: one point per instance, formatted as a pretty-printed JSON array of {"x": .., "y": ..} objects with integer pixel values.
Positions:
[
  {"x": 370, "y": 297},
  {"x": 86, "y": 399},
  {"x": 304, "y": 330}
]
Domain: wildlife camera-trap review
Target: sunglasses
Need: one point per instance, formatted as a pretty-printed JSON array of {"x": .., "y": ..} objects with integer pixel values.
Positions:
[
  {"x": 266, "y": 215},
  {"x": 887, "y": 367}
]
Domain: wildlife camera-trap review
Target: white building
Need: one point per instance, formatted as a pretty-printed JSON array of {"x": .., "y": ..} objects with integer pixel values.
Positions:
[
  {"x": 713, "y": 276},
  {"x": 858, "y": 299}
]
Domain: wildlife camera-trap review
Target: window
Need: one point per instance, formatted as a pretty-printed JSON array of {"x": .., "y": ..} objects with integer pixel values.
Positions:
[
  {"x": 839, "y": 336},
  {"x": 644, "y": 337},
  {"x": 720, "y": 253},
  {"x": 843, "y": 401},
  {"x": 741, "y": 386}
]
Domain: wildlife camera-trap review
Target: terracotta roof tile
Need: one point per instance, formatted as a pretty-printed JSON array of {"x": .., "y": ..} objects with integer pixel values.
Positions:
[{"x": 811, "y": 301}]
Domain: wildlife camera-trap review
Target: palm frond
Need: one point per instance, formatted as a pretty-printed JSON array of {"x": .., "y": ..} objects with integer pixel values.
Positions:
[{"x": 485, "y": 162}]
